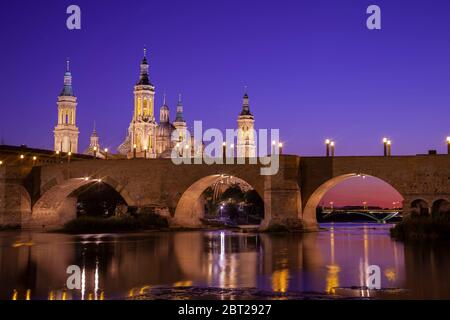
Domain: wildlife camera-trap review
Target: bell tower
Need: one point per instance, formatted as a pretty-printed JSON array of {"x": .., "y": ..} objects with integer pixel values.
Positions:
[
  {"x": 246, "y": 146},
  {"x": 142, "y": 130},
  {"x": 66, "y": 132}
]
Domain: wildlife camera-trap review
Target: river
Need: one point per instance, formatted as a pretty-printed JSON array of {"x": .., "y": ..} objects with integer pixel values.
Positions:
[{"x": 115, "y": 266}]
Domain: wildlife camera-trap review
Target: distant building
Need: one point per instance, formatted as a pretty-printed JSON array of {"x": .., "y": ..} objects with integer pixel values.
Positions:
[{"x": 94, "y": 146}]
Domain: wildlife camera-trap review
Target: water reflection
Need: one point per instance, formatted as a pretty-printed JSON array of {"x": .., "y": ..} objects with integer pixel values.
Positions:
[{"x": 33, "y": 265}]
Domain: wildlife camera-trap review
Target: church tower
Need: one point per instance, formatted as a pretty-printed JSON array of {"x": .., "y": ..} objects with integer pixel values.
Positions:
[
  {"x": 66, "y": 131},
  {"x": 180, "y": 123},
  {"x": 142, "y": 130},
  {"x": 165, "y": 128},
  {"x": 246, "y": 146}
]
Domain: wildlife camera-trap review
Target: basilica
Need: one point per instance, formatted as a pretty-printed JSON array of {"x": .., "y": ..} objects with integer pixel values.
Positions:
[{"x": 146, "y": 137}]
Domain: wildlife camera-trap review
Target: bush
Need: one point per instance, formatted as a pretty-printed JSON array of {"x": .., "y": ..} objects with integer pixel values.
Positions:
[
  {"x": 115, "y": 224},
  {"x": 422, "y": 227}
]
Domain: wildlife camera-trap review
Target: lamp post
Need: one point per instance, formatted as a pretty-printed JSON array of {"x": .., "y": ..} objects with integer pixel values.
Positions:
[
  {"x": 106, "y": 153},
  {"x": 327, "y": 145},
  {"x": 134, "y": 151},
  {"x": 224, "y": 150},
  {"x": 177, "y": 146},
  {"x": 21, "y": 158},
  {"x": 68, "y": 156},
  {"x": 280, "y": 148},
  {"x": 385, "y": 140},
  {"x": 448, "y": 145},
  {"x": 95, "y": 152},
  {"x": 58, "y": 154},
  {"x": 389, "y": 142},
  {"x": 1, "y": 163},
  {"x": 273, "y": 146},
  {"x": 145, "y": 152},
  {"x": 34, "y": 160},
  {"x": 332, "y": 144}
]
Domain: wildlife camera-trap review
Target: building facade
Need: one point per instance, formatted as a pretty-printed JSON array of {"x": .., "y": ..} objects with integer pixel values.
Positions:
[{"x": 145, "y": 137}]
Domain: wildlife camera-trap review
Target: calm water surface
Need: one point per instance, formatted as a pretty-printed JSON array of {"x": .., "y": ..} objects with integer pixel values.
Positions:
[{"x": 33, "y": 265}]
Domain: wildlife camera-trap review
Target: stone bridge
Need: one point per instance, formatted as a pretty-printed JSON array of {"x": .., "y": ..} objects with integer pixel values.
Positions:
[{"x": 45, "y": 196}]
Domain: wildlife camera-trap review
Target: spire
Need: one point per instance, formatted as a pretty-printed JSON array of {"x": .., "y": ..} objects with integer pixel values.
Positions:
[
  {"x": 67, "y": 90},
  {"x": 179, "y": 117},
  {"x": 164, "y": 112},
  {"x": 144, "y": 75},
  {"x": 245, "y": 104},
  {"x": 94, "y": 132},
  {"x": 144, "y": 60}
]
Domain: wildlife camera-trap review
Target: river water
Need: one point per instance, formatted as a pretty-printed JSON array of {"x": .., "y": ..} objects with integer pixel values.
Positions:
[{"x": 114, "y": 266}]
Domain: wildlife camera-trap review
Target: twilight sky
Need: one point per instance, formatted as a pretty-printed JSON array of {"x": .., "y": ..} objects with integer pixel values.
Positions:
[{"x": 312, "y": 67}]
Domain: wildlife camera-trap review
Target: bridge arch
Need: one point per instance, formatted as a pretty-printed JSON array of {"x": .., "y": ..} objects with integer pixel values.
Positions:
[
  {"x": 441, "y": 207},
  {"x": 57, "y": 204},
  {"x": 419, "y": 207},
  {"x": 309, "y": 211},
  {"x": 189, "y": 209}
]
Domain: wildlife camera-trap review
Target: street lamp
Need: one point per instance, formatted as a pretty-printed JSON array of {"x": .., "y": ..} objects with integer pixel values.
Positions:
[
  {"x": 273, "y": 146},
  {"x": 327, "y": 144},
  {"x": 448, "y": 145},
  {"x": 332, "y": 144},
  {"x": 389, "y": 142},
  {"x": 34, "y": 160},
  {"x": 68, "y": 156},
  {"x": 95, "y": 152},
  {"x": 224, "y": 149},
  {"x": 385, "y": 141},
  {"x": 1, "y": 162},
  {"x": 145, "y": 152},
  {"x": 280, "y": 148},
  {"x": 134, "y": 151},
  {"x": 106, "y": 153}
]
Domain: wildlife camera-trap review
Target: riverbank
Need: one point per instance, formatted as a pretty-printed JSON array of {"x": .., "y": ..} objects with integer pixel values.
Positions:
[
  {"x": 200, "y": 293},
  {"x": 422, "y": 227}
]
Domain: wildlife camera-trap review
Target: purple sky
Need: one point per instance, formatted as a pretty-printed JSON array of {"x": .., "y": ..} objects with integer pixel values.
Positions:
[{"x": 312, "y": 67}]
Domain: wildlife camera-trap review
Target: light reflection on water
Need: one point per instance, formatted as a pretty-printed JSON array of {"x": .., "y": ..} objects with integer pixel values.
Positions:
[{"x": 33, "y": 265}]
